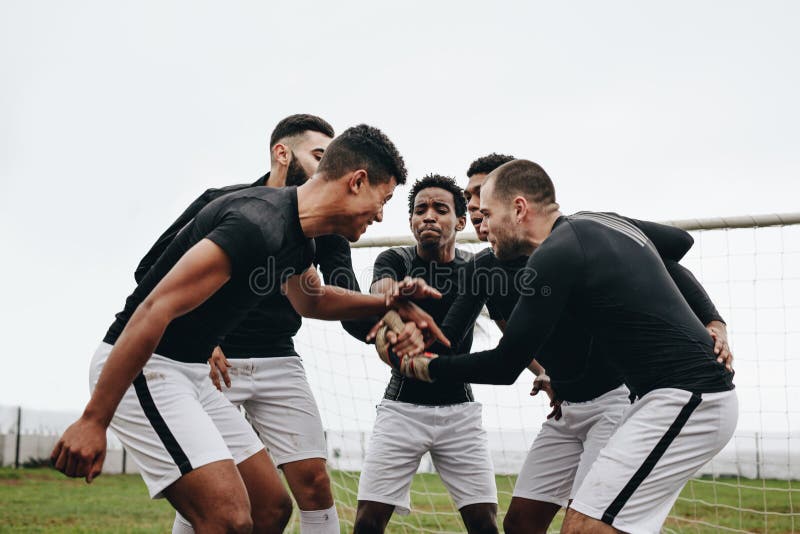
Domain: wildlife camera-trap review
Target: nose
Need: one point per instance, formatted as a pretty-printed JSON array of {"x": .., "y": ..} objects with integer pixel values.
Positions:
[
  {"x": 379, "y": 215},
  {"x": 474, "y": 203},
  {"x": 483, "y": 229}
]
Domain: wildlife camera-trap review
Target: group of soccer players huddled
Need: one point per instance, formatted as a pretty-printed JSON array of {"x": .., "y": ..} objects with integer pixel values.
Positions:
[{"x": 624, "y": 341}]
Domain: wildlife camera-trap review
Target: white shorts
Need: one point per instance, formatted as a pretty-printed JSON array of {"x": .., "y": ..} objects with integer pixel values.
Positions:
[
  {"x": 458, "y": 444},
  {"x": 280, "y": 406},
  {"x": 564, "y": 450},
  {"x": 663, "y": 439},
  {"x": 173, "y": 420}
]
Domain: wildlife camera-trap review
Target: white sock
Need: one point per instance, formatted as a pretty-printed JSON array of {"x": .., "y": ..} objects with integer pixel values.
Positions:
[
  {"x": 181, "y": 525},
  {"x": 319, "y": 521}
]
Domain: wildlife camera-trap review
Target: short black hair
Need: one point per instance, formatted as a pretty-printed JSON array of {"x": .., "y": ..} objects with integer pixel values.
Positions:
[
  {"x": 363, "y": 147},
  {"x": 297, "y": 124},
  {"x": 526, "y": 178},
  {"x": 443, "y": 182},
  {"x": 487, "y": 164}
]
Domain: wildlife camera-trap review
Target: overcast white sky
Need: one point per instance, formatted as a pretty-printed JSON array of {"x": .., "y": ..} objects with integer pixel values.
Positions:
[{"x": 114, "y": 116}]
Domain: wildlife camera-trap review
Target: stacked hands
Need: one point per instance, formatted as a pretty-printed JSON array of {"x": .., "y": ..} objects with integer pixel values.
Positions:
[{"x": 403, "y": 334}]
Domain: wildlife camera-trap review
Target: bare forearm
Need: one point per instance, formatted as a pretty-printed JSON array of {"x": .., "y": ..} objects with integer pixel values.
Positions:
[
  {"x": 336, "y": 304},
  {"x": 535, "y": 368},
  {"x": 129, "y": 355}
]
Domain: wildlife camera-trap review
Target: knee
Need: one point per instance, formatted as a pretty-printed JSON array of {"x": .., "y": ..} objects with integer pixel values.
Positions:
[
  {"x": 512, "y": 523},
  {"x": 517, "y": 522},
  {"x": 273, "y": 516},
  {"x": 314, "y": 491},
  {"x": 366, "y": 524},
  {"x": 481, "y": 523},
  {"x": 235, "y": 521}
]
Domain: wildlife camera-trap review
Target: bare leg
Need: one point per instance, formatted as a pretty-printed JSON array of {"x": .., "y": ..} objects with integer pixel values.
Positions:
[
  {"x": 578, "y": 523},
  {"x": 480, "y": 518},
  {"x": 372, "y": 517},
  {"x": 213, "y": 498},
  {"x": 527, "y": 516}
]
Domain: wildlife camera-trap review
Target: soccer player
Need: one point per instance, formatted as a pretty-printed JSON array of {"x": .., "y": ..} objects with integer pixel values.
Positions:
[
  {"x": 414, "y": 417},
  {"x": 268, "y": 376},
  {"x": 593, "y": 396},
  {"x": 605, "y": 273},
  {"x": 149, "y": 376}
]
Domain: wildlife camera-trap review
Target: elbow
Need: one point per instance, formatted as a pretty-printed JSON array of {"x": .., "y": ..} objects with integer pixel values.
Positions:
[{"x": 686, "y": 245}]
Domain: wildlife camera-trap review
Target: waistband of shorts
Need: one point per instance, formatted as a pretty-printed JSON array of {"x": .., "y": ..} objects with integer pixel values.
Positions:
[{"x": 621, "y": 390}]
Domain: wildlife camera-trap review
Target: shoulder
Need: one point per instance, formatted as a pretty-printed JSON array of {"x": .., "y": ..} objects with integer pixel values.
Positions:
[
  {"x": 331, "y": 243},
  {"x": 463, "y": 257},
  {"x": 395, "y": 254},
  {"x": 485, "y": 258},
  {"x": 587, "y": 221}
]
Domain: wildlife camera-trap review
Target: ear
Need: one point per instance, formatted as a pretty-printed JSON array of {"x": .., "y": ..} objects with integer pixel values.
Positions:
[
  {"x": 358, "y": 181},
  {"x": 520, "y": 208},
  {"x": 281, "y": 154},
  {"x": 461, "y": 223}
]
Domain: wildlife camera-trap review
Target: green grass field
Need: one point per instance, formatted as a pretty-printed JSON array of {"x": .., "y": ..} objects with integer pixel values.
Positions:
[{"x": 41, "y": 500}]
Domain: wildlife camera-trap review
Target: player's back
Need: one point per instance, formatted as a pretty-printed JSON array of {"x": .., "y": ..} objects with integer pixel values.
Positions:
[
  {"x": 626, "y": 298},
  {"x": 259, "y": 230}
]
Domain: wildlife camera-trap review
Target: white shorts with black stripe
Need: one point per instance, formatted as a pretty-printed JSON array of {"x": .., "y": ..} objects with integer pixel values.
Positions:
[
  {"x": 663, "y": 439},
  {"x": 173, "y": 420},
  {"x": 280, "y": 406},
  {"x": 564, "y": 450}
]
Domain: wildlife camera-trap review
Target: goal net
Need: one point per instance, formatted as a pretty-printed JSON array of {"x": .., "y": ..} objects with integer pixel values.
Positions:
[{"x": 750, "y": 266}]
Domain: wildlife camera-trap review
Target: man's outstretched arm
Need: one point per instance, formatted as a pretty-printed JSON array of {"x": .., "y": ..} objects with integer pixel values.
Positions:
[
  {"x": 310, "y": 299},
  {"x": 558, "y": 263},
  {"x": 197, "y": 275}
]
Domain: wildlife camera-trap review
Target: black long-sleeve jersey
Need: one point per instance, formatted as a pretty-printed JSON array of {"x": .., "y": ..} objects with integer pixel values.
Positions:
[
  {"x": 268, "y": 329},
  {"x": 577, "y": 376},
  {"x": 602, "y": 272}
]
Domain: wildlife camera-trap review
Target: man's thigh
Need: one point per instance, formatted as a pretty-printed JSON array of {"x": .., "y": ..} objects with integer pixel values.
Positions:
[
  {"x": 461, "y": 455},
  {"x": 282, "y": 409},
  {"x": 163, "y": 424},
  {"x": 548, "y": 472},
  {"x": 662, "y": 441},
  {"x": 401, "y": 435}
]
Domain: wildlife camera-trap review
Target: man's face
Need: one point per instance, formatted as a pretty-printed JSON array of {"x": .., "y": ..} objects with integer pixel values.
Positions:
[
  {"x": 306, "y": 151},
  {"x": 367, "y": 207},
  {"x": 433, "y": 220},
  {"x": 499, "y": 223},
  {"x": 473, "y": 195}
]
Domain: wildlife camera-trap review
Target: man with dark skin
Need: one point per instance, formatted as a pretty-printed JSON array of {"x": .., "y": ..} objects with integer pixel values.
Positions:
[
  {"x": 603, "y": 271},
  {"x": 414, "y": 418},
  {"x": 149, "y": 375}
]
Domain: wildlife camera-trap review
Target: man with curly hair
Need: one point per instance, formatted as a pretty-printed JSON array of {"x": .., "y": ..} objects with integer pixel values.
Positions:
[
  {"x": 415, "y": 417},
  {"x": 149, "y": 375}
]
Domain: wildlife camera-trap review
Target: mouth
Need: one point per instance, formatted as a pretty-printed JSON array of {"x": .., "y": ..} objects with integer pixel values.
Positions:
[
  {"x": 429, "y": 230},
  {"x": 476, "y": 222}
]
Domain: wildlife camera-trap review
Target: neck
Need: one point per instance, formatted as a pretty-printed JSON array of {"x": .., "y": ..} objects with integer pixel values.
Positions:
[
  {"x": 542, "y": 224},
  {"x": 317, "y": 206},
  {"x": 277, "y": 176},
  {"x": 444, "y": 253}
]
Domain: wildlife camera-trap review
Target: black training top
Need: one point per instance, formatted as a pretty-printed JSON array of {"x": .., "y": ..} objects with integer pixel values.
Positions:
[
  {"x": 397, "y": 263},
  {"x": 259, "y": 229},
  {"x": 576, "y": 377},
  {"x": 268, "y": 329},
  {"x": 604, "y": 272}
]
